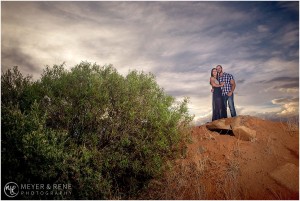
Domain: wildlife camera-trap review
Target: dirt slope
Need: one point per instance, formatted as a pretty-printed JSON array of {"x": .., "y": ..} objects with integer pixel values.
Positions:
[{"x": 218, "y": 166}]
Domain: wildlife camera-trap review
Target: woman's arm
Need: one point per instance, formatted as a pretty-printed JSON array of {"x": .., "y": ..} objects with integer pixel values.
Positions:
[{"x": 212, "y": 82}]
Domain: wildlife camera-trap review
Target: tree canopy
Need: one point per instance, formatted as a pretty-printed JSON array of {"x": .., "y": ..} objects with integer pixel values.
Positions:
[{"x": 103, "y": 133}]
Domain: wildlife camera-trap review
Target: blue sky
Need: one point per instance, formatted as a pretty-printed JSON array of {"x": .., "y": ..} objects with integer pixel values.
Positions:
[{"x": 179, "y": 42}]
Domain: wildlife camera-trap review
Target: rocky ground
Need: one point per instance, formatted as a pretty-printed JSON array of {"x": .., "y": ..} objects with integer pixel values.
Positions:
[{"x": 235, "y": 158}]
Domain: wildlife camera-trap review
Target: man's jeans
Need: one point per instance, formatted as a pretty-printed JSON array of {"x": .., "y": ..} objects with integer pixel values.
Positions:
[{"x": 230, "y": 103}]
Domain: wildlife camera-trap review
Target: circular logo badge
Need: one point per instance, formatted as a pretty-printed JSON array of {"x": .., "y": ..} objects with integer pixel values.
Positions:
[{"x": 11, "y": 189}]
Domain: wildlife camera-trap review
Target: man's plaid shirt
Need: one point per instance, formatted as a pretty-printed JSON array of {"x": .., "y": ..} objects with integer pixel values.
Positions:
[{"x": 227, "y": 86}]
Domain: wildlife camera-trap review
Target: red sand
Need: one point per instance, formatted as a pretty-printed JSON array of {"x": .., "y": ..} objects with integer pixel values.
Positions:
[{"x": 222, "y": 167}]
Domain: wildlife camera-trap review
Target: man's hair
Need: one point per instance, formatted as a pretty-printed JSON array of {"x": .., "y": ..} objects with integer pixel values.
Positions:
[{"x": 220, "y": 66}]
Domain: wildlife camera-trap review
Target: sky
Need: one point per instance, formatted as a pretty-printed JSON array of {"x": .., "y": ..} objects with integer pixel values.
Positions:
[{"x": 179, "y": 42}]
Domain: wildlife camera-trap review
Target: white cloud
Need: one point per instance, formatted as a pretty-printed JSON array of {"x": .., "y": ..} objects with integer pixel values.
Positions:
[{"x": 289, "y": 106}]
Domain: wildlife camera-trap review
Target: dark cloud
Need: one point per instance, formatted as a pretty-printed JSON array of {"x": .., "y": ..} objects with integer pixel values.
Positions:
[
  {"x": 293, "y": 80},
  {"x": 13, "y": 56},
  {"x": 293, "y": 85},
  {"x": 241, "y": 81},
  {"x": 285, "y": 100},
  {"x": 289, "y": 83},
  {"x": 291, "y": 8},
  {"x": 66, "y": 12},
  {"x": 284, "y": 79}
]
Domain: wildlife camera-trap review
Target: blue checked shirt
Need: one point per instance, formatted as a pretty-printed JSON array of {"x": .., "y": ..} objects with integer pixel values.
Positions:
[{"x": 227, "y": 86}]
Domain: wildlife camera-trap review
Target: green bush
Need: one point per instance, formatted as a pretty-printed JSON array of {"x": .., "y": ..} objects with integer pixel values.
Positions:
[{"x": 105, "y": 134}]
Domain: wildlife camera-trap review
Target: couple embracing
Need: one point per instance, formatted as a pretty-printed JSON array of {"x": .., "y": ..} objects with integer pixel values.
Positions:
[{"x": 223, "y": 86}]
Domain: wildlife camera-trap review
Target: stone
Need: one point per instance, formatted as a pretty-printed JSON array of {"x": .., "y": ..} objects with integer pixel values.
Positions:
[
  {"x": 287, "y": 176},
  {"x": 236, "y": 122},
  {"x": 244, "y": 133},
  {"x": 218, "y": 125}
]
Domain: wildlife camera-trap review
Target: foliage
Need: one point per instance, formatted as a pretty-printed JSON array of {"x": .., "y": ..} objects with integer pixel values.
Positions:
[{"x": 104, "y": 133}]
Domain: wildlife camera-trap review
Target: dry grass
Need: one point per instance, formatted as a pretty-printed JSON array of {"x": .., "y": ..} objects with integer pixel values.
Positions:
[
  {"x": 291, "y": 126},
  {"x": 186, "y": 133},
  {"x": 244, "y": 193},
  {"x": 231, "y": 187},
  {"x": 207, "y": 134},
  {"x": 185, "y": 182},
  {"x": 254, "y": 139},
  {"x": 202, "y": 164},
  {"x": 233, "y": 168},
  {"x": 191, "y": 180},
  {"x": 182, "y": 182},
  {"x": 269, "y": 146},
  {"x": 278, "y": 195},
  {"x": 183, "y": 151},
  {"x": 236, "y": 149}
]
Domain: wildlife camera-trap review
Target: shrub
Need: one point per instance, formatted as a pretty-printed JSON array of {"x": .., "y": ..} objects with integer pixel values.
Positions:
[{"x": 104, "y": 133}]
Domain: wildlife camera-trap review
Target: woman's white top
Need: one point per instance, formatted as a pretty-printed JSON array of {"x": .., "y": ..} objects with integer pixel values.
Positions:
[{"x": 216, "y": 81}]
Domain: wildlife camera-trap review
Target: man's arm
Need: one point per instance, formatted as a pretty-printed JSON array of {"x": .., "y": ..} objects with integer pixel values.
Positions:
[{"x": 232, "y": 82}]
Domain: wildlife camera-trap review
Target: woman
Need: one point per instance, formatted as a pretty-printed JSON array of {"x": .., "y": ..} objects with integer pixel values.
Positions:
[{"x": 218, "y": 108}]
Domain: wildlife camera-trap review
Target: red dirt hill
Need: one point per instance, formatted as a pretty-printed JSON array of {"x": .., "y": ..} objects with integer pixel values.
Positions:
[{"x": 222, "y": 166}]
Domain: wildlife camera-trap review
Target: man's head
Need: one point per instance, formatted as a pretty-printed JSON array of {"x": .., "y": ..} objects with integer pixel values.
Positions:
[{"x": 219, "y": 69}]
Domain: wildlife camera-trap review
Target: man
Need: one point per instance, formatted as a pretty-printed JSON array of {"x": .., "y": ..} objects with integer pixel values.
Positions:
[{"x": 227, "y": 89}]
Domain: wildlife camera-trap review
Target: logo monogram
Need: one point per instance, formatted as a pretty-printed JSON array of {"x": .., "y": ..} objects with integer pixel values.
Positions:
[{"x": 11, "y": 189}]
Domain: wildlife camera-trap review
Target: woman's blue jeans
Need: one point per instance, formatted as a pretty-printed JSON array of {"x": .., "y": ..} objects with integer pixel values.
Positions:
[{"x": 230, "y": 103}]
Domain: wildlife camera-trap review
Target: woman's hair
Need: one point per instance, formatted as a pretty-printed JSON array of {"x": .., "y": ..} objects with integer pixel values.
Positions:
[{"x": 211, "y": 74}]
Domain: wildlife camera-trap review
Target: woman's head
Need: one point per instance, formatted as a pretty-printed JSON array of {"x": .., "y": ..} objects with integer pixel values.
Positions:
[{"x": 214, "y": 72}]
